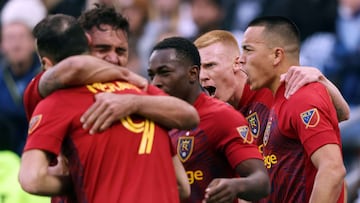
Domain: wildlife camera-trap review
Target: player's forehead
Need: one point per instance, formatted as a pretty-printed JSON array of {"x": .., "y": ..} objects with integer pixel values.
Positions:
[
  {"x": 107, "y": 34},
  {"x": 163, "y": 58},
  {"x": 254, "y": 36}
]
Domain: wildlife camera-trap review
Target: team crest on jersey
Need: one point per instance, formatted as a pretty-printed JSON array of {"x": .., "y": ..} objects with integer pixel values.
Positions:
[
  {"x": 185, "y": 147},
  {"x": 34, "y": 123},
  {"x": 310, "y": 118},
  {"x": 244, "y": 134},
  {"x": 267, "y": 133},
  {"x": 254, "y": 124}
]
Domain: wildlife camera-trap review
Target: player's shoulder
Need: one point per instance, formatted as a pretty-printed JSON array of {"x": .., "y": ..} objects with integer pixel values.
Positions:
[
  {"x": 312, "y": 94},
  {"x": 310, "y": 90},
  {"x": 220, "y": 110}
]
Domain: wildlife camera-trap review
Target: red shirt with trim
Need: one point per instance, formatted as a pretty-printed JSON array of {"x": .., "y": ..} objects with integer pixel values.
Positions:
[
  {"x": 296, "y": 129},
  {"x": 32, "y": 95},
  {"x": 255, "y": 106},
  {"x": 213, "y": 150}
]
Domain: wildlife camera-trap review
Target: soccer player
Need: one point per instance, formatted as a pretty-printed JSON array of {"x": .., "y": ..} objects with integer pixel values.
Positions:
[
  {"x": 221, "y": 74},
  {"x": 220, "y": 159},
  {"x": 301, "y": 144},
  {"x": 106, "y": 167}
]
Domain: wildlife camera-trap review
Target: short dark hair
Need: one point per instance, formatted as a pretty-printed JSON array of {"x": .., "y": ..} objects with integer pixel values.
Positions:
[
  {"x": 280, "y": 25},
  {"x": 103, "y": 15},
  {"x": 185, "y": 49},
  {"x": 59, "y": 36}
]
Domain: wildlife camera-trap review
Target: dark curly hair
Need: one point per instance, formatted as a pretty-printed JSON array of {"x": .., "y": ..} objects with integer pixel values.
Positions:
[{"x": 101, "y": 15}]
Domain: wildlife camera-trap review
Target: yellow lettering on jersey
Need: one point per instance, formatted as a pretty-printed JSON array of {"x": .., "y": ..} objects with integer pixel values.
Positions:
[
  {"x": 147, "y": 127},
  {"x": 261, "y": 148},
  {"x": 270, "y": 160},
  {"x": 194, "y": 176},
  {"x": 111, "y": 87}
]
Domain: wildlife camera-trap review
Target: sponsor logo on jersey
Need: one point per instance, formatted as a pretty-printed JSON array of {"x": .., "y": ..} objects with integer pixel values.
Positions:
[
  {"x": 193, "y": 176},
  {"x": 310, "y": 118},
  {"x": 185, "y": 147},
  {"x": 34, "y": 123},
  {"x": 270, "y": 160},
  {"x": 244, "y": 134},
  {"x": 267, "y": 133},
  {"x": 254, "y": 124}
]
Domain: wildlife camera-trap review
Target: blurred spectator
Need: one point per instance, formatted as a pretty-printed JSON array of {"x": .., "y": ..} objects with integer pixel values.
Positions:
[
  {"x": 242, "y": 12},
  {"x": 90, "y": 3},
  {"x": 137, "y": 12},
  {"x": 151, "y": 20},
  {"x": 208, "y": 15},
  {"x": 343, "y": 65},
  {"x": 309, "y": 15},
  {"x": 69, "y": 7},
  {"x": 18, "y": 66},
  {"x": 337, "y": 54}
]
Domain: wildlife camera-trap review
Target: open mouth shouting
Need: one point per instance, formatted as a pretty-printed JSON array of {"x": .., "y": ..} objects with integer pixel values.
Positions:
[{"x": 211, "y": 90}]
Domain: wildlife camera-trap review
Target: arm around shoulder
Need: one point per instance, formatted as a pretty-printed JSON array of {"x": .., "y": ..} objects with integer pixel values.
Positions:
[
  {"x": 82, "y": 70},
  {"x": 341, "y": 106}
]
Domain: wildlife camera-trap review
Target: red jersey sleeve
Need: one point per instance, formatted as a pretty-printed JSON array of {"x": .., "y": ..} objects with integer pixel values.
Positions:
[
  {"x": 234, "y": 137},
  {"x": 315, "y": 118},
  {"x": 32, "y": 96},
  {"x": 48, "y": 125}
]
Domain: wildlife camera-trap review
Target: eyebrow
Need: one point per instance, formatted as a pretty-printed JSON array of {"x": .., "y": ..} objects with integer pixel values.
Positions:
[{"x": 101, "y": 45}]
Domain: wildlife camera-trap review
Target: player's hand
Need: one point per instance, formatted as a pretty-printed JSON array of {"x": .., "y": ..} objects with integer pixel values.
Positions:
[
  {"x": 107, "y": 109},
  {"x": 61, "y": 168},
  {"x": 298, "y": 76},
  {"x": 137, "y": 80},
  {"x": 220, "y": 191}
]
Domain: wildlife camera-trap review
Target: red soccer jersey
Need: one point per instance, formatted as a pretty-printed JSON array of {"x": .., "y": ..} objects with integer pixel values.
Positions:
[
  {"x": 32, "y": 95},
  {"x": 213, "y": 149},
  {"x": 296, "y": 128},
  {"x": 129, "y": 162},
  {"x": 255, "y": 106}
]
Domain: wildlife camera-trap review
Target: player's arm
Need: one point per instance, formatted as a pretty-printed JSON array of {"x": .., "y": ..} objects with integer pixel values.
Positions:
[
  {"x": 85, "y": 69},
  {"x": 181, "y": 177},
  {"x": 253, "y": 184},
  {"x": 330, "y": 175},
  {"x": 34, "y": 177},
  {"x": 298, "y": 76},
  {"x": 168, "y": 111}
]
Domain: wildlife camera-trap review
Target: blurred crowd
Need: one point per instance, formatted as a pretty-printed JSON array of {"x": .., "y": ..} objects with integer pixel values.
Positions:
[{"x": 330, "y": 41}]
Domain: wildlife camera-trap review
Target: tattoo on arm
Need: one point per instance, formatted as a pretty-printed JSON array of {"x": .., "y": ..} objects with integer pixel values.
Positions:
[{"x": 48, "y": 84}]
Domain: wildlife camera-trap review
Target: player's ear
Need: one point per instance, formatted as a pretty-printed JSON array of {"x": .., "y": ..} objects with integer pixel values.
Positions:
[
  {"x": 194, "y": 73},
  {"x": 46, "y": 63},
  {"x": 236, "y": 64},
  {"x": 88, "y": 37},
  {"x": 278, "y": 55}
]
